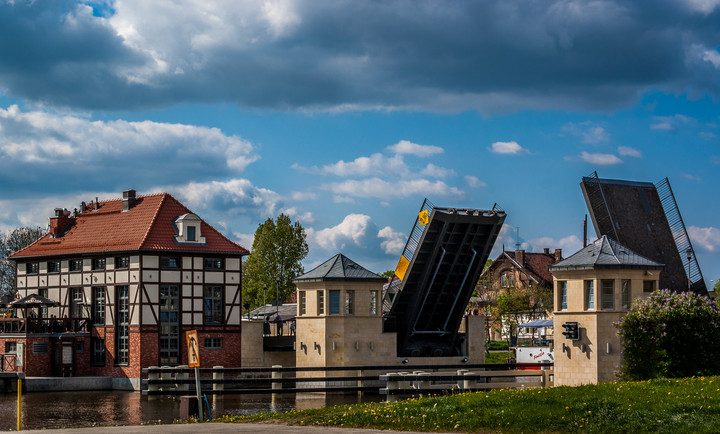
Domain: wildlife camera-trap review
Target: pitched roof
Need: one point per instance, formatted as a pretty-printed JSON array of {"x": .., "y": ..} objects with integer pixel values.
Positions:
[
  {"x": 339, "y": 268},
  {"x": 605, "y": 253},
  {"x": 535, "y": 265},
  {"x": 148, "y": 225}
]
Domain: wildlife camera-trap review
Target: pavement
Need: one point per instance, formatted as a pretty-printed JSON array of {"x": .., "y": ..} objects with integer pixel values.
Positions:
[{"x": 217, "y": 427}]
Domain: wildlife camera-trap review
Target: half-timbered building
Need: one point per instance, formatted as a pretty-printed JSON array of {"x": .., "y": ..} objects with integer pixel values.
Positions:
[{"x": 131, "y": 275}]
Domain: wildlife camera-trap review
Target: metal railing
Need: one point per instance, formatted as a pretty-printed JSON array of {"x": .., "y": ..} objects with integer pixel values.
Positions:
[{"x": 43, "y": 325}]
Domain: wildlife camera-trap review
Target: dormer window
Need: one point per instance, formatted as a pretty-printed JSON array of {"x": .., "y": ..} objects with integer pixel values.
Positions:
[{"x": 188, "y": 229}]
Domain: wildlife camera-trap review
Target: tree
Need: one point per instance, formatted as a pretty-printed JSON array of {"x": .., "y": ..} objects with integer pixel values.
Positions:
[
  {"x": 716, "y": 286},
  {"x": 388, "y": 273},
  {"x": 11, "y": 242},
  {"x": 277, "y": 252},
  {"x": 670, "y": 335}
]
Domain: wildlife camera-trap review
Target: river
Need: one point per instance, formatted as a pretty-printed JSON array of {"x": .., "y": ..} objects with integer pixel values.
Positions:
[{"x": 82, "y": 409}]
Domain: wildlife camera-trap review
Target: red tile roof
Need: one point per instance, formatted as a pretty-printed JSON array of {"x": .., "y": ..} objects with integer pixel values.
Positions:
[
  {"x": 534, "y": 264},
  {"x": 148, "y": 225}
]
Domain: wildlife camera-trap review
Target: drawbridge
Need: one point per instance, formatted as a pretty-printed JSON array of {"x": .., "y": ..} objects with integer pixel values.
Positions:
[{"x": 438, "y": 270}]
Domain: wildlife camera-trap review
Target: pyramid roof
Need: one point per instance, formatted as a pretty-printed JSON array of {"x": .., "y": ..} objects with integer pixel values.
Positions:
[
  {"x": 606, "y": 253},
  {"x": 340, "y": 268}
]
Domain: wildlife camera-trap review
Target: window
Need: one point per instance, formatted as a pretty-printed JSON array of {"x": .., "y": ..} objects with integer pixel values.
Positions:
[
  {"x": 607, "y": 288},
  {"x": 213, "y": 311},
  {"x": 98, "y": 263},
  {"x": 589, "y": 294},
  {"x": 76, "y": 264},
  {"x": 33, "y": 267},
  {"x": 169, "y": 324},
  {"x": 303, "y": 302},
  {"x": 213, "y": 343},
  {"x": 349, "y": 302},
  {"x": 213, "y": 264},
  {"x": 10, "y": 347},
  {"x": 97, "y": 351},
  {"x": 79, "y": 346},
  {"x": 172, "y": 262},
  {"x": 373, "y": 303},
  {"x": 122, "y": 262},
  {"x": 53, "y": 266},
  {"x": 507, "y": 279},
  {"x": 334, "y": 302},
  {"x": 625, "y": 295},
  {"x": 191, "y": 233},
  {"x": 41, "y": 347},
  {"x": 98, "y": 305},
  {"x": 122, "y": 329},
  {"x": 562, "y": 294},
  {"x": 648, "y": 288},
  {"x": 76, "y": 303},
  {"x": 321, "y": 302}
]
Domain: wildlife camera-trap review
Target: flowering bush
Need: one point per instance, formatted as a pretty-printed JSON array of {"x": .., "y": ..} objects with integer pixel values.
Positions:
[{"x": 670, "y": 335}]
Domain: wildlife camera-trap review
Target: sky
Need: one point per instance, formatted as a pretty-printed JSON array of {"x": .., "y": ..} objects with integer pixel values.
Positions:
[{"x": 345, "y": 115}]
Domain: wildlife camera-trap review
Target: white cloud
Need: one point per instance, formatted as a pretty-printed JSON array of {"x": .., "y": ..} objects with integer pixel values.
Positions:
[
  {"x": 303, "y": 195},
  {"x": 38, "y": 137},
  {"x": 713, "y": 57},
  {"x": 705, "y": 7},
  {"x": 569, "y": 244},
  {"x": 394, "y": 242},
  {"x": 671, "y": 123},
  {"x": 474, "y": 181},
  {"x": 378, "y": 188},
  {"x": 437, "y": 171},
  {"x": 706, "y": 238},
  {"x": 691, "y": 177},
  {"x": 407, "y": 147},
  {"x": 511, "y": 148},
  {"x": 361, "y": 166},
  {"x": 600, "y": 159},
  {"x": 245, "y": 240},
  {"x": 663, "y": 126},
  {"x": 350, "y": 232},
  {"x": 236, "y": 196},
  {"x": 305, "y": 218},
  {"x": 707, "y": 135},
  {"x": 626, "y": 151}
]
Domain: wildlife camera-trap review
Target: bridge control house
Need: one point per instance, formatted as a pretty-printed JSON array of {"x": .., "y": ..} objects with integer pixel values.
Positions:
[{"x": 129, "y": 276}]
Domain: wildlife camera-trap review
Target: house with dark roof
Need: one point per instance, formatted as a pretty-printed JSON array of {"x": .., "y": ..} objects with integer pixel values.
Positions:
[
  {"x": 593, "y": 289},
  {"x": 130, "y": 276},
  {"x": 512, "y": 271}
]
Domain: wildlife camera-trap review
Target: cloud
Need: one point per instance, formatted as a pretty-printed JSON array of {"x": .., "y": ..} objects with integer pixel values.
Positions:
[
  {"x": 40, "y": 145},
  {"x": 569, "y": 244},
  {"x": 670, "y": 123},
  {"x": 394, "y": 242},
  {"x": 511, "y": 148},
  {"x": 434, "y": 171},
  {"x": 600, "y": 159},
  {"x": 474, "y": 181},
  {"x": 626, "y": 151},
  {"x": 313, "y": 55},
  {"x": 381, "y": 189},
  {"x": 410, "y": 148},
  {"x": 588, "y": 132},
  {"x": 361, "y": 166},
  {"x": 233, "y": 197},
  {"x": 691, "y": 177},
  {"x": 350, "y": 232},
  {"x": 707, "y": 239},
  {"x": 707, "y": 135}
]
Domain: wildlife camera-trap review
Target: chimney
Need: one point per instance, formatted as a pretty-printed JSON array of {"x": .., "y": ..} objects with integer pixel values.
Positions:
[
  {"x": 558, "y": 255},
  {"x": 83, "y": 205},
  {"x": 59, "y": 222},
  {"x": 128, "y": 200},
  {"x": 546, "y": 250},
  {"x": 96, "y": 204},
  {"x": 520, "y": 257}
]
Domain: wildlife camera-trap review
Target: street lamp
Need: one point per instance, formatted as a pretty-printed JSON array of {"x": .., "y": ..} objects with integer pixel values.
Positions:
[{"x": 689, "y": 258}]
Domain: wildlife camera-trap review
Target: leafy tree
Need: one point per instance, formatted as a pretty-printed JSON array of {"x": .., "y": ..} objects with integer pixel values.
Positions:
[
  {"x": 716, "y": 286},
  {"x": 670, "y": 335},
  {"x": 277, "y": 252},
  {"x": 388, "y": 273},
  {"x": 10, "y": 242}
]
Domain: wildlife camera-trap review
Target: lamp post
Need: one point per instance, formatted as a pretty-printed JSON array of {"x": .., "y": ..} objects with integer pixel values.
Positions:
[
  {"x": 277, "y": 294},
  {"x": 689, "y": 258},
  {"x": 264, "y": 298}
]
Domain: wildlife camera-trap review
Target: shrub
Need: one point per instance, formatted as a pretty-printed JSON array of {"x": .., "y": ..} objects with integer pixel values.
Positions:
[
  {"x": 497, "y": 345},
  {"x": 670, "y": 335}
]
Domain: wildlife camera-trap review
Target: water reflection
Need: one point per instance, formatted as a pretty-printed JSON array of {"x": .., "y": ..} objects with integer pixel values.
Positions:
[{"x": 80, "y": 409}]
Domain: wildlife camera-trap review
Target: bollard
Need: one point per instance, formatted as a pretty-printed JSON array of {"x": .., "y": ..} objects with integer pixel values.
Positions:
[
  {"x": 153, "y": 376},
  {"x": 182, "y": 376},
  {"x": 276, "y": 375},
  {"x": 460, "y": 383},
  {"x": 469, "y": 384},
  {"x": 360, "y": 383},
  {"x": 391, "y": 385},
  {"x": 166, "y": 374},
  {"x": 218, "y": 376},
  {"x": 423, "y": 384}
]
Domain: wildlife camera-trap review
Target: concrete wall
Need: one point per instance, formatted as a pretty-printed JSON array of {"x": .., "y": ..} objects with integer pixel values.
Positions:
[{"x": 596, "y": 356}]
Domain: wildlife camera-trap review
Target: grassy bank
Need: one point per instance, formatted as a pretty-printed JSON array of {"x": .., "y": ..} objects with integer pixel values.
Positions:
[{"x": 677, "y": 406}]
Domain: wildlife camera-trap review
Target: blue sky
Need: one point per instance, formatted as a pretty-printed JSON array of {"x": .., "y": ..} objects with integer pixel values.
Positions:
[{"x": 346, "y": 114}]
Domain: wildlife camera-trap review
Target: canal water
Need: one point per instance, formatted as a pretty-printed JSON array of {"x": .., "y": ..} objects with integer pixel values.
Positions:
[{"x": 83, "y": 409}]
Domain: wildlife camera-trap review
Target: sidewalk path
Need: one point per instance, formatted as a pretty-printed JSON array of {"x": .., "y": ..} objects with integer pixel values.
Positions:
[{"x": 217, "y": 427}]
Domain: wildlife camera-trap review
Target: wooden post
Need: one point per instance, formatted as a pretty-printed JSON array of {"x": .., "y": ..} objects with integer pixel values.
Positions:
[
  {"x": 276, "y": 374},
  {"x": 218, "y": 376},
  {"x": 19, "y": 403},
  {"x": 153, "y": 376}
]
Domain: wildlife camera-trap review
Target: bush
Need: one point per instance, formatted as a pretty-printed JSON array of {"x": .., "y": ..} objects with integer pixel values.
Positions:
[
  {"x": 497, "y": 345},
  {"x": 670, "y": 335}
]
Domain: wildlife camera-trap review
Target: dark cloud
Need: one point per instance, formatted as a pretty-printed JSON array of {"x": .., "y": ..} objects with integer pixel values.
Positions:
[{"x": 428, "y": 55}]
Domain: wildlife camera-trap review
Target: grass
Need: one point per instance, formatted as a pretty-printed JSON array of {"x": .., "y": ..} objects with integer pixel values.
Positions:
[
  {"x": 499, "y": 357},
  {"x": 690, "y": 405},
  {"x": 497, "y": 345}
]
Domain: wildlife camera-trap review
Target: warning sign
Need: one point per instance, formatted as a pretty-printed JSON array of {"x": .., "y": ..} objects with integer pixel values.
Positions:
[
  {"x": 423, "y": 217},
  {"x": 402, "y": 267},
  {"x": 193, "y": 348}
]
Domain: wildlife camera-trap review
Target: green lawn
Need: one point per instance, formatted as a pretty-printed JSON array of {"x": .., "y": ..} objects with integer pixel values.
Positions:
[{"x": 689, "y": 405}]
